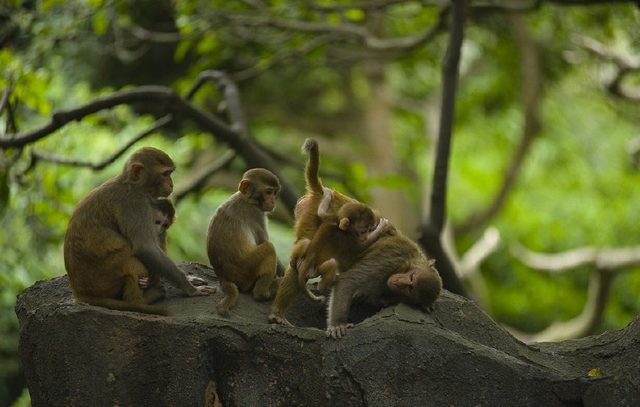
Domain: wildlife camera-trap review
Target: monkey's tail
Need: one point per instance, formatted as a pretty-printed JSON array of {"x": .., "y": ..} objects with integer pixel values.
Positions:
[
  {"x": 314, "y": 184},
  {"x": 121, "y": 305}
]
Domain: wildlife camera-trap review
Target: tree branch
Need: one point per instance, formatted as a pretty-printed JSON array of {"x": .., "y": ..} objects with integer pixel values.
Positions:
[
  {"x": 40, "y": 156},
  {"x": 431, "y": 236},
  {"x": 480, "y": 250},
  {"x": 368, "y": 39},
  {"x": 625, "y": 65},
  {"x": 605, "y": 259},
  {"x": 203, "y": 173},
  {"x": 247, "y": 148},
  {"x": 607, "y": 263},
  {"x": 600, "y": 282}
]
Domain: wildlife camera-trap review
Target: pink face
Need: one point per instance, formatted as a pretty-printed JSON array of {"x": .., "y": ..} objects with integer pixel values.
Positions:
[
  {"x": 161, "y": 221},
  {"x": 166, "y": 183},
  {"x": 403, "y": 283},
  {"x": 269, "y": 197}
]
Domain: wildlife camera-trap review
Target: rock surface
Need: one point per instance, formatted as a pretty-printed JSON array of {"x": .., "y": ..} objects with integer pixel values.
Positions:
[{"x": 81, "y": 355}]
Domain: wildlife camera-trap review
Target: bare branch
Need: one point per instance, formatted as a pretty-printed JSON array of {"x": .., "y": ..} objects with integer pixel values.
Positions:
[
  {"x": 245, "y": 147},
  {"x": 40, "y": 156},
  {"x": 625, "y": 65},
  {"x": 431, "y": 233},
  {"x": 204, "y": 173},
  {"x": 600, "y": 282},
  {"x": 608, "y": 263},
  {"x": 282, "y": 55},
  {"x": 605, "y": 259},
  {"x": 371, "y": 41},
  {"x": 153, "y": 36},
  {"x": 5, "y": 99},
  {"x": 231, "y": 97},
  {"x": 480, "y": 250}
]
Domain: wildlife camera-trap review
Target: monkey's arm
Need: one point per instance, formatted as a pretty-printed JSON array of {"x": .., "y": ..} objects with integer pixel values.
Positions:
[
  {"x": 339, "y": 306},
  {"x": 146, "y": 248},
  {"x": 383, "y": 226}
]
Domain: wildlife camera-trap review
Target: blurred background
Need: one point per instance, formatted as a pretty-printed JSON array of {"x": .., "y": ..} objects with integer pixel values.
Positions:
[{"x": 542, "y": 194}]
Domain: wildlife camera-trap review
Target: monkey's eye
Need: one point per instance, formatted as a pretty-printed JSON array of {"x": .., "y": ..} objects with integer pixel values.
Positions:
[
  {"x": 167, "y": 173},
  {"x": 158, "y": 222}
]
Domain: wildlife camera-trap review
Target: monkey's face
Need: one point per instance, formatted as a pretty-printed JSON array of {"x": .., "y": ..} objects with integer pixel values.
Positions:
[
  {"x": 404, "y": 285},
  {"x": 267, "y": 198},
  {"x": 161, "y": 220},
  {"x": 164, "y": 181}
]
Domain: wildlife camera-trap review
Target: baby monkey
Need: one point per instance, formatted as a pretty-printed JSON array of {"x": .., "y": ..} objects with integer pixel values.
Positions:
[
  {"x": 164, "y": 215},
  {"x": 337, "y": 244}
]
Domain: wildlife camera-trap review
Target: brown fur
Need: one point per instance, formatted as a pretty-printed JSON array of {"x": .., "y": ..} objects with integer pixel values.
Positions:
[
  {"x": 111, "y": 240},
  {"x": 238, "y": 244},
  {"x": 307, "y": 223},
  {"x": 338, "y": 243},
  {"x": 366, "y": 281}
]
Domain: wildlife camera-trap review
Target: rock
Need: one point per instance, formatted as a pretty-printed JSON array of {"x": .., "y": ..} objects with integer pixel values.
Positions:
[{"x": 81, "y": 355}]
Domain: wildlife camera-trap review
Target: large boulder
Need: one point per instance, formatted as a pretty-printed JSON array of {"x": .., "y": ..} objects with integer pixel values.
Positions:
[{"x": 81, "y": 355}]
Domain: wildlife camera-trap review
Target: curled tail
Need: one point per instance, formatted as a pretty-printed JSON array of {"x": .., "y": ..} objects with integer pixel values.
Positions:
[{"x": 312, "y": 167}]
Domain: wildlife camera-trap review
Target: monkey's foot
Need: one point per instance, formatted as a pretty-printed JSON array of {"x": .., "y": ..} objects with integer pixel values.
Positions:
[
  {"x": 337, "y": 331},
  {"x": 279, "y": 319},
  {"x": 222, "y": 311}
]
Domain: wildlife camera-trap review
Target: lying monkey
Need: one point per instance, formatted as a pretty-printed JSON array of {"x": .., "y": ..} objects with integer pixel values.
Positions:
[{"x": 392, "y": 270}]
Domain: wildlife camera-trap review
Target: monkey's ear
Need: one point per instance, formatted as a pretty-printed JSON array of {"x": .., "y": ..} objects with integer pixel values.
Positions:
[
  {"x": 431, "y": 262},
  {"x": 344, "y": 224},
  {"x": 244, "y": 185},
  {"x": 135, "y": 170}
]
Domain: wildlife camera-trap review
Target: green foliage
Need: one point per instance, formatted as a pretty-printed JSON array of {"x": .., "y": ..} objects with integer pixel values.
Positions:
[{"x": 576, "y": 188}]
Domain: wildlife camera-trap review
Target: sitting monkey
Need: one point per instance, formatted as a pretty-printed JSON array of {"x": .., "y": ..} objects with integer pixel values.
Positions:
[
  {"x": 238, "y": 244},
  {"x": 111, "y": 240}
]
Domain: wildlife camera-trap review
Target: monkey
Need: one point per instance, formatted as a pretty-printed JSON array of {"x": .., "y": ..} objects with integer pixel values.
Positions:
[
  {"x": 111, "y": 239},
  {"x": 392, "y": 270},
  {"x": 307, "y": 222},
  {"x": 238, "y": 244},
  {"x": 164, "y": 217},
  {"x": 337, "y": 244}
]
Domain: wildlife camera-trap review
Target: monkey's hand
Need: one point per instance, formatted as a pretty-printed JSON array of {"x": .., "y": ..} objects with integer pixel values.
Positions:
[
  {"x": 204, "y": 290},
  {"x": 279, "y": 319},
  {"x": 382, "y": 227},
  {"x": 337, "y": 331}
]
